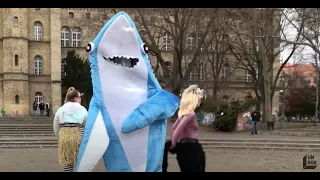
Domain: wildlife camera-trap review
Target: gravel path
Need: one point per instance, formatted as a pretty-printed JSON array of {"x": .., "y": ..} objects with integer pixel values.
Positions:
[{"x": 44, "y": 160}]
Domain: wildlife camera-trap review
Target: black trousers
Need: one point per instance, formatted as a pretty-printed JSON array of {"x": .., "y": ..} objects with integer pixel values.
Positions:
[{"x": 190, "y": 157}]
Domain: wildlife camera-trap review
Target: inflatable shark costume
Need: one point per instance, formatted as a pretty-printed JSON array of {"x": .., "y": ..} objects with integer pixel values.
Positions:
[{"x": 126, "y": 122}]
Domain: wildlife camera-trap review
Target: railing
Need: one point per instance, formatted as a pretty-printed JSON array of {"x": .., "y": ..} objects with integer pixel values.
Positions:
[{"x": 297, "y": 119}]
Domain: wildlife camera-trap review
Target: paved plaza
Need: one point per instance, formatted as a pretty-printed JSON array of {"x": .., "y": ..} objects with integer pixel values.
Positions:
[{"x": 218, "y": 160}]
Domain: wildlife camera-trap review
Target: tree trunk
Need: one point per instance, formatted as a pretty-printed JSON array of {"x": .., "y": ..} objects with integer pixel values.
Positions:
[
  {"x": 317, "y": 89},
  {"x": 215, "y": 95}
]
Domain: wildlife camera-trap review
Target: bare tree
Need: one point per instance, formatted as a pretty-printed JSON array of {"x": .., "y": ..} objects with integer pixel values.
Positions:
[
  {"x": 220, "y": 67},
  {"x": 257, "y": 33},
  {"x": 306, "y": 21},
  {"x": 166, "y": 32}
]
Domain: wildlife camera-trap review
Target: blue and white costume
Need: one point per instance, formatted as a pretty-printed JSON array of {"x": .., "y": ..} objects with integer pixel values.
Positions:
[{"x": 126, "y": 122}]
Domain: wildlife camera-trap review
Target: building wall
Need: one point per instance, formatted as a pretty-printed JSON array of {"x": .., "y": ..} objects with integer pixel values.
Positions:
[
  {"x": 18, "y": 78},
  {"x": 20, "y": 40}
]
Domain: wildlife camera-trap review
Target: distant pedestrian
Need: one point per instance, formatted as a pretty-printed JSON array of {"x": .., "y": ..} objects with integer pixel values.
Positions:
[
  {"x": 42, "y": 108},
  {"x": 48, "y": 108},
  {"x": 3, "y": 112},
  {"x": 35, "y": 108},
  {"x": 255, "y": 118}
]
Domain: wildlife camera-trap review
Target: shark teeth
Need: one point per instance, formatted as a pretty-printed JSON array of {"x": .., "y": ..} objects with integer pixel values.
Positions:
[{"x": 125, "y": 61}]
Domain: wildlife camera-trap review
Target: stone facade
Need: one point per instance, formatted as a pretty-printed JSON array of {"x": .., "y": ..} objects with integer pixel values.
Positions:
[
  {"x": 33, "y": 41},
  {"x": 30, "y": 59}
]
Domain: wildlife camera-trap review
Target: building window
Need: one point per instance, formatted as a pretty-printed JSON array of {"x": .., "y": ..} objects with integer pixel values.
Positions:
[
  {"x": 37, "y": 30},
  {"x": 225, "y": 73},
  {"x": 17, "y": 99},
  {"x": 247, "y": 76},
  {"x": 38, "y": 98},
  {"x": 76, "y": 37},
  {"x": 38, "y": 65},
  {"x": 15, "y": 21},
  {"x": 71, "y": 15},
  {"x": 192, "y": 76},
  {"x": 198, "y": 72},
  {"x": 249, "y": 47},
  {"x": 88, "y": 15},
  {"x": 16, "y": 60},
  {"x": 63, "y": 64},
  {"x": 166, "y": 43},
  {"x": 201, "y": 71},
  {"x": 65, "y": 37},
  {"x": 191, "y": 44}
]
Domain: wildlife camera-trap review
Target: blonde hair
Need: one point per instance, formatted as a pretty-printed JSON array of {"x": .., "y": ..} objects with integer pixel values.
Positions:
[
  {"x": 71, "y": 94},
  {"x": 190, "y": 100}
]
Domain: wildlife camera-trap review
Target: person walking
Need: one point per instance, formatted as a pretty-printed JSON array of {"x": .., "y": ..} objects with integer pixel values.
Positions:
[
  {"x": 68, "y": 126},
  {"x": 48, "y": 108},
  {"x": 255, "y": 118},
  {"x": 42, "y": 108},
  {"x": 35, "y": 108}
]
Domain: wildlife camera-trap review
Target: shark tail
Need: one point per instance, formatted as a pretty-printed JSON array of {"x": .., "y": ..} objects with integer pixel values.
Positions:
[{"x": 94, "y": 142}]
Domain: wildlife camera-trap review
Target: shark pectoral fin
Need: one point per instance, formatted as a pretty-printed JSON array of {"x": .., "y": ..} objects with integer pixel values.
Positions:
[
  {"x": 94, "y": 142},
  {"x": 161, "y": 105}
]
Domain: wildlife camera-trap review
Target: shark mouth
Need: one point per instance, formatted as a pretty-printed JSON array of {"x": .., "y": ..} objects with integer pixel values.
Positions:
[{"x": 128, "y": 62}]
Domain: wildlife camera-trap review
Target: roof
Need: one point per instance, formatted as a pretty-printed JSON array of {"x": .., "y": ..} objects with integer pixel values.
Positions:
[{"x": 305, "y": 72}]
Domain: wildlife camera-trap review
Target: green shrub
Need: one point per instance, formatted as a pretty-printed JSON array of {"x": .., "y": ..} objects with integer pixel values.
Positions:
[
  {"x": 225, "y": 118},
  {"x": 228, "y": 120}
]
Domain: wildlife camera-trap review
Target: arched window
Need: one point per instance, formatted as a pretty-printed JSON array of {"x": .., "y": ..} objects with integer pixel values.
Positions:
[
  {"x": 76, "y": 37},
  {"x": 16, "y": 60},
  {"x": 65, "y": 37},
  {"x": 37, "y": 30},
  {"x": 38, "y": 98},
  {"x": 191, "y": 41},
  {"x": 17, "y": 99},
  {"x": 15, "y": 21},
  {"x": 38, "y": 65}
]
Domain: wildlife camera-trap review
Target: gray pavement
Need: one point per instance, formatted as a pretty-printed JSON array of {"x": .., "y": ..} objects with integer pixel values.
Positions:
[
  {"x": 204, "y": 134},
  {"x": 218, "y": 160}
]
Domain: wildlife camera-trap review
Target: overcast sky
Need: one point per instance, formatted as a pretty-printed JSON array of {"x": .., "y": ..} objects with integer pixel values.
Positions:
[{"x": 302, "y": 54}]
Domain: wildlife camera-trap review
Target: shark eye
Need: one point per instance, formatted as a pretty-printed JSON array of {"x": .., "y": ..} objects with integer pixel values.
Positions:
[
  {"x": 90, "y": 47},
  {"x": 144, "y": 49}
]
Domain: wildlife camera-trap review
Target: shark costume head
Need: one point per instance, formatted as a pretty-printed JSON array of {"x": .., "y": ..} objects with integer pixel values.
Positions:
[{"x": 126, "y": 124}]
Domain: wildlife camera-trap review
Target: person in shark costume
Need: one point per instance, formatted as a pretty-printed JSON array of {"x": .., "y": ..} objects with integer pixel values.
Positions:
[{"x": 126, "y": 123}]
